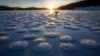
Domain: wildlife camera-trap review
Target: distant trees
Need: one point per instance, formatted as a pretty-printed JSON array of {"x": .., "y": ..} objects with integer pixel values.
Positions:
[
  {"x": 19, "y": 8},
  {"x": 83, "y": 3},
  {"x": 5, "y": 8}
]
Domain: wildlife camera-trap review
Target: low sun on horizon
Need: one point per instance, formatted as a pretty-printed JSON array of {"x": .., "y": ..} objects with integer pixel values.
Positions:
[{"x": 51, "y": 7}]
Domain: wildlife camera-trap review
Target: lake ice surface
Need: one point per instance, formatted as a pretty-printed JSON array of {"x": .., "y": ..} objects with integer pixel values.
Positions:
[{"x": 38, "y": 30}]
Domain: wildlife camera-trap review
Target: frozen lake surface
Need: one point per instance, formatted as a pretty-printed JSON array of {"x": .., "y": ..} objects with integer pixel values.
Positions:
[{"x": 36, "y": 33}]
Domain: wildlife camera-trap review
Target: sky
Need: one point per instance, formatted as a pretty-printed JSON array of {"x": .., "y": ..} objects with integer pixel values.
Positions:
[{"x": 35, "y": 3}]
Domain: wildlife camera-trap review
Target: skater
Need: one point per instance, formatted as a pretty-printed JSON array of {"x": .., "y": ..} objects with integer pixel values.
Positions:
[{"x": 56, "y": 13}]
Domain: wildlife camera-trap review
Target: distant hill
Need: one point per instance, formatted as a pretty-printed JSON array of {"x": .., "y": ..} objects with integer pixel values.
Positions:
[
  {"x": 80, "y": 4},
  {"x": 88, "y": 8},
  {"x": 5, "y": 8},
  {"x": 19, "y": 8}
]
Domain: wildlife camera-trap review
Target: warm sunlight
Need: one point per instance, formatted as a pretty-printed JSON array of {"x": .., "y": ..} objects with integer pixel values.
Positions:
[{"x": 51, "y": 7}]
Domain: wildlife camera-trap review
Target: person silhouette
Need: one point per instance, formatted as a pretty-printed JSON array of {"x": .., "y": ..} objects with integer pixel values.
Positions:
[{"x": 56, "y": 13}]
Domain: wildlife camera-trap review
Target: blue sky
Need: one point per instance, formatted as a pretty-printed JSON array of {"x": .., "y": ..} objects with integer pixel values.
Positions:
[{"x": 35, "y": 3}]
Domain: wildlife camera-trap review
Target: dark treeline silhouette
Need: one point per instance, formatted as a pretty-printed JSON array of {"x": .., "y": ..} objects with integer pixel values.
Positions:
[
  {"x": 71, "y": 6},
  {"x": 5, "y": 8},
  {"x": 19, "y": 8},
  {"x": 83, "y": 3}
]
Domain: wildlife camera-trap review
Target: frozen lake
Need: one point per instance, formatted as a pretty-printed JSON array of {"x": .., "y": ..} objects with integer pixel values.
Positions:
[{"x": 36, "y": 33}]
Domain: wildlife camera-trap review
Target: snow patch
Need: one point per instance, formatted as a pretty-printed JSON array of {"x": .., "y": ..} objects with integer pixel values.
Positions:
[
  {"x": 68, "y": 47},
  {"x": 88, "y": 43},
  {"x": 42, "y": 47},
  {"x": 18, "y": 45}
]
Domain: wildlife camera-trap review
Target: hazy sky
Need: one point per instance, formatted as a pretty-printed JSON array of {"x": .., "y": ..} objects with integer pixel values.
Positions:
[{"x": 35, "y": 3}]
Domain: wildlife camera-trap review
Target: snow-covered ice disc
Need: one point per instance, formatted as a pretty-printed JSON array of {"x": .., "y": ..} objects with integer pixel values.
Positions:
[
  {"x": 29, "y": 36},
  {"x": 88, "y": 43},
  {"x": 74, "y": 28},
  {"x": 95, "y": 28},
  {"x": 68, "y": 47},
  {"x": 11, "y": 28},
  {"x": 39, "y": 40},
  {"x": 4, "y": 38},
  {"x": 67, "y": 38},
  {"x": 52, "y": 34},
  {"x": 18, "y": 45},
  {"x": 22, "y": 30},
  {"x": 36, "y": 30},
  {"x": 50, "y": 26},
  {"x": 42, "y": 47}
]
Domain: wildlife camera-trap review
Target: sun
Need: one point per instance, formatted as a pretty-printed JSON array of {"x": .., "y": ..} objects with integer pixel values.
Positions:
[{"x": 51, "y": 7}]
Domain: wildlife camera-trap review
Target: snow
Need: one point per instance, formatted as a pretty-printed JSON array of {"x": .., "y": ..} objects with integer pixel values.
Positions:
[
  {"x": 50, "y": 26},
  {"x": 52, "y": 34},
  {"x": 67, "y": 38},
  {"x": 11, "y": 28},
  {"x": 18, "y": 45},
  {"x": 88, "y": 43},
  {"x": 4, "y": 38},
  {"x": 22, "y": 30},
  {"x": 42, "y": 47},
  {"x": 95, "y": 28},
  {"x": 68, "y": 47},
  {"x": 29, "y": 36},
  {"x": 36, "y": 30},
  {"x": 39, "y": 40}
]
